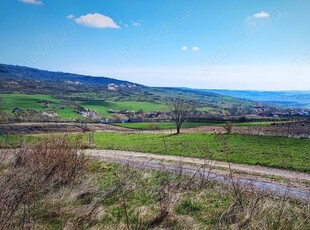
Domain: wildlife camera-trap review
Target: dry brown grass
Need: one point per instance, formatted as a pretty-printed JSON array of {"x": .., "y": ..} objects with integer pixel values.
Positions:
[
  {"x": 58, "y": 159},
  {"x": 37, "y": 170}
]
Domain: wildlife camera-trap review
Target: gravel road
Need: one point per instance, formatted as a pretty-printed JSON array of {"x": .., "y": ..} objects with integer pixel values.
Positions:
[{"x": 257, "y": 176}]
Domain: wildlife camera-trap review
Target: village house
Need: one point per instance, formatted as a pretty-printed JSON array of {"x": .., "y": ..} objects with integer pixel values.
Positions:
[{"x": 50, "y": 114}]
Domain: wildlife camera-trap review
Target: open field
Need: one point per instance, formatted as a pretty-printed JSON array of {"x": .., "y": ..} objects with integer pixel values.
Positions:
[
  {"x": 277, "y": 152},
  {"x": 102, "y": 107},
  {"x": 10, "y": 101}
]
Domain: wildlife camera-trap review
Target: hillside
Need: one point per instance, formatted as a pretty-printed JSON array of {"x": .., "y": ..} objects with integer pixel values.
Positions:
[
  {"x": 29, "y": 80},
  {"x": 71, "y": 96}
]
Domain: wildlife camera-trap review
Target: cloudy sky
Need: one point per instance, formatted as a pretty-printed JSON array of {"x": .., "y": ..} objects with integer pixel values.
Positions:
[{"x": 239, "y": 44}]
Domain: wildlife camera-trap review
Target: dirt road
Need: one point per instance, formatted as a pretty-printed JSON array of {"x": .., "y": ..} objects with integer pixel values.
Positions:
[
  {"x": 276, "y": 181},
  {"x": 298, "y": 130}
]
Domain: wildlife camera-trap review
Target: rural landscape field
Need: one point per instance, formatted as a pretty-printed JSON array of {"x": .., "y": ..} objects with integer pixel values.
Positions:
[{"x": 154, "y": 115}]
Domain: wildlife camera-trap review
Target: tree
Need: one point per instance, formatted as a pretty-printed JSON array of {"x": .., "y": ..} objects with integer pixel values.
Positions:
[
  {"x": 181, "y": 110},
  {"x": 228, "y": 127},
  {"x": 234, "y": 110}
]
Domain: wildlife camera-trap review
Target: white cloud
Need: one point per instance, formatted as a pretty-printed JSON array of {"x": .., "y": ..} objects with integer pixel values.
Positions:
[
  {"x": 184, "y": 48},
  {"x": 96, "y": 21},
  {"x": 136, "y": 24},
  {"x": 195, "y": 48},
  {"x": 34, "y": 2},
  {"x": 261, "y": 14},
  {"x": 70, "y": 16}
]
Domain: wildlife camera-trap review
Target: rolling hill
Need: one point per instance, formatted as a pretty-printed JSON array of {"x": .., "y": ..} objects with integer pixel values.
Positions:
[{"x": 69, "y": 93}]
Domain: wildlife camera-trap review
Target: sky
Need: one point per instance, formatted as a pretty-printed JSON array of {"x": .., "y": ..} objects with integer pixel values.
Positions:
[{"x": 206, "y": 44}]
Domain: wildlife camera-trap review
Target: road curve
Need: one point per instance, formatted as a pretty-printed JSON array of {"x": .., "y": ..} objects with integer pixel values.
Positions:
[{"x": 189, "y": 167}]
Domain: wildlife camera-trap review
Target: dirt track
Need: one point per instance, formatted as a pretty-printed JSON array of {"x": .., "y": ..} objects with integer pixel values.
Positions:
[
  {"x": 267, "y": 180},
  {"x": 260, "y": 177}
]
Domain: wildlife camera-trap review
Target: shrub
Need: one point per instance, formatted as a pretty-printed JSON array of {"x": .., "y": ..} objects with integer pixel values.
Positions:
[
  {"x": 57, "y": 158},
  {"x": 228, "y": 127},
  {"x": 38, "y": 169}
]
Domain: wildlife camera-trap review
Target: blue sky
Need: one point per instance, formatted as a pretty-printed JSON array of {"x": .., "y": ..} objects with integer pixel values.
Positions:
[{"x": 232, "y": 44}]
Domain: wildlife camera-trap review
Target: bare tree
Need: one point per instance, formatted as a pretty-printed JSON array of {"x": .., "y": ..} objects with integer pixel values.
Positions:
[
  {"x": 228, "y": 127},
  {"x": 182, "y": 110},
  {"x": 234, "y": 110}
]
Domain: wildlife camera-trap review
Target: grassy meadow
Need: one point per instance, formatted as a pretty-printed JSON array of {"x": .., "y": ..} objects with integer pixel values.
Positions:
[
  {"x": 23, "y": 101},
  {"x": 102, "y": 107}
]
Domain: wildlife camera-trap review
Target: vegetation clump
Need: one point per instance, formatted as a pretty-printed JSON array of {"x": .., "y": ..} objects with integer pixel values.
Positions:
[{"x": 34, "y": 172}]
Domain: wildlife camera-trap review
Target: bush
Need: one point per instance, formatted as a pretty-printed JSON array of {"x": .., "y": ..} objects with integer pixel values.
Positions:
[
  {"x": 37, "y": 169},
  {"x": 58, "y": 158},
  {"x": 228, "y": 127}
]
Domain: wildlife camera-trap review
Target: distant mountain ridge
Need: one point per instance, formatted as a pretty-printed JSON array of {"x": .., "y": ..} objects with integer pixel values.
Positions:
[{"x": 291, "y": 98}]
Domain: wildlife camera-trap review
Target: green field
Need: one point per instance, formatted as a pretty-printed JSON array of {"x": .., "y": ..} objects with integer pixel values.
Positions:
[
  {"x": 275, "y": 152},
  {"x": 278, "y": 152},
  {"x": 10, "y": 101},
  {"x": 102, "y": 107}
]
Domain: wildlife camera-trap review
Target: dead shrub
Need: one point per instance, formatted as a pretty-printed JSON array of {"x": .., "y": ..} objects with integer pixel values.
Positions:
[
  {"x": 38, "y": 169},
  {"x": 56, "y": 158}
]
